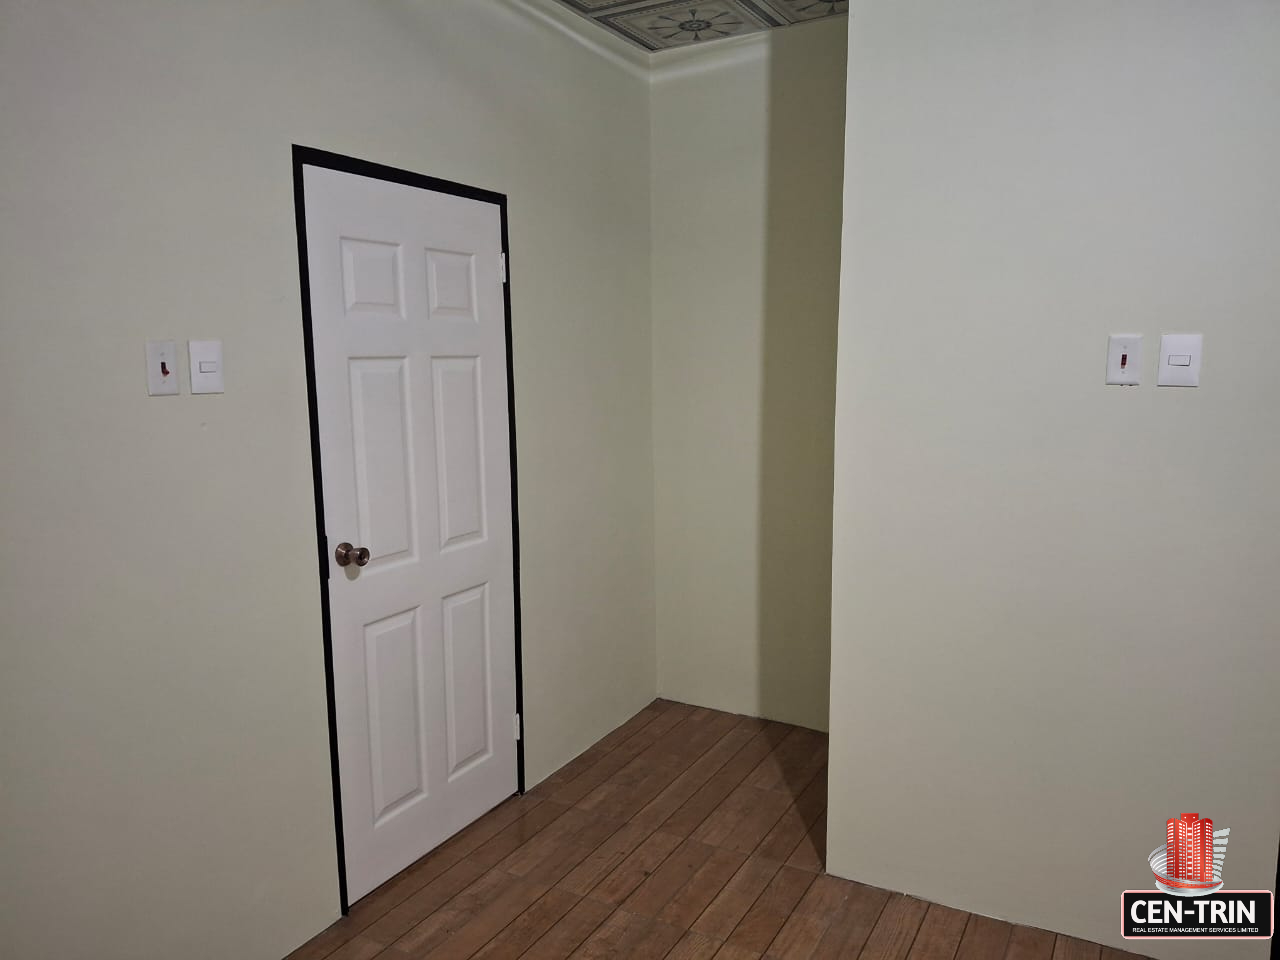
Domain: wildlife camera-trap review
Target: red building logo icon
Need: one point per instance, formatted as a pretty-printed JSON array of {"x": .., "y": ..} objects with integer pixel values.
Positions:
[{"x": 1190, "y": 862}]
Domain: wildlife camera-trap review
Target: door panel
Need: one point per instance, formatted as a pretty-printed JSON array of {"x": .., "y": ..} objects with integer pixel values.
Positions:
[
  {"x": 371, "y": 276},
  {"x": 452, "y": 284},
  {"x": 409, "y": 343},
  {"x": 466, "y": 650},
  {"x": 383, "y": 454},
  {"x": 459, "y": 442},
  {"x": 396, "y": 718}
]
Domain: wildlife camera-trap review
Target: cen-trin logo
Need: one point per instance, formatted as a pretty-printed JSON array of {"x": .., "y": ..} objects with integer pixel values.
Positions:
[{"x": 1189, "y": 902}]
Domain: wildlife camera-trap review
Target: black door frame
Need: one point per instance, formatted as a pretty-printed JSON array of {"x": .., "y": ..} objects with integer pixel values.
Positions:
[{"x": 310, "y": 157}]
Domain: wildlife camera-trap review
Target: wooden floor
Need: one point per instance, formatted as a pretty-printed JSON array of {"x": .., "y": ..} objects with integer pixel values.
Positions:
[{"x": 686, "y": 834}]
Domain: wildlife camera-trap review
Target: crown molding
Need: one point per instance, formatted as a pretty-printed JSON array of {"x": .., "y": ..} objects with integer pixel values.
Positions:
[
  {"x": 661, "y": 65},
  {"x": 556, "y": 17},
  {"x": 694, "y": 59}
]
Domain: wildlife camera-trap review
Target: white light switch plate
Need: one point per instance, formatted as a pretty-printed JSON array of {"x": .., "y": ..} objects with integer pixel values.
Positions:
[
  {"x": 1124, "y": 359},
  {"x": 206, "y": 365},
  {"x": 162, "y": 368},
  {"x": 1180, "y": 360}
]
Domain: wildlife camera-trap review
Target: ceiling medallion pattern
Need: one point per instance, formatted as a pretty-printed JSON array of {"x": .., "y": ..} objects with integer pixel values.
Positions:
[{"x": 662, "y": 24}]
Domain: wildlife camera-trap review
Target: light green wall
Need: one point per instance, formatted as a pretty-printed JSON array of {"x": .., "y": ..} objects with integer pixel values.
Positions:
[
  {"x": 165, "y": 761},
  {"x": 746, "y": 238},
  {"x": 1055, "y": 608}
]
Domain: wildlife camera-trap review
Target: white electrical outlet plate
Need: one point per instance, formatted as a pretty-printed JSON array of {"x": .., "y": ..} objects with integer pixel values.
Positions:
[
  {"x": 1124, "y": 359},
  {"x": 162, "y": 368},
  {"x": 1180, "y": 360},
  {"x": 206, "y": 365}
]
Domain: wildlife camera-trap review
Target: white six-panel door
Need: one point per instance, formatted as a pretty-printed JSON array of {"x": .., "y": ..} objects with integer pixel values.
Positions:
[{"x": 410, "y": 360}]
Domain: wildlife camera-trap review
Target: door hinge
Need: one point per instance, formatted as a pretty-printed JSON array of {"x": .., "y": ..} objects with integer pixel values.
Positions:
[
  {"x": 502, "y": 267},
  {"x": 516, "y": 726}
]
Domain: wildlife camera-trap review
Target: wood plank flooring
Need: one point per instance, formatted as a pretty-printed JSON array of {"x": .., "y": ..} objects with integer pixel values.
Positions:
[{"x": 685, "y": 834}]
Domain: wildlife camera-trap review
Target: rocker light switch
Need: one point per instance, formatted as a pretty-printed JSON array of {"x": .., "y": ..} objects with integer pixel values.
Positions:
[
  {"x": 206, "y": 365},
  {"x": 1180, "y": 360}
]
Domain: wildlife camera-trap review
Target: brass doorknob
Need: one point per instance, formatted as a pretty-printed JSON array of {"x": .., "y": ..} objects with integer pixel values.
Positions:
[{"x": 346, "y": 554}]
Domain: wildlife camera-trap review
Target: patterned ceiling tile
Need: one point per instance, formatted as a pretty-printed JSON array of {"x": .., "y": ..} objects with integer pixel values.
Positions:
[
  {"x": 796, "y": 11},
  {"x": 663, "y": 24},
  {"x": 594, "y": 6}
]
